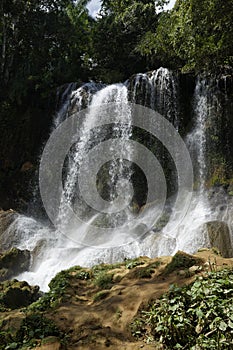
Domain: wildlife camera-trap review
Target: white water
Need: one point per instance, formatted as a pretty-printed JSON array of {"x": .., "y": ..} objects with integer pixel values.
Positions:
[
  {"x": 54, "y": 252},
  {"x": 160, "y": 92}
]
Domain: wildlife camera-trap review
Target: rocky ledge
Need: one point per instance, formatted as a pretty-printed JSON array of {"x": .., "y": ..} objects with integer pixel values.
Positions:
[{"x": 111, "y": 306}]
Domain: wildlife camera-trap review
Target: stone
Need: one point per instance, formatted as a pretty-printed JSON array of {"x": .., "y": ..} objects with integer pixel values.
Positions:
[
  {"x": 195, "y": 268},
  {"x": 182, "y": 273},
  {"x": 8, "y": 237},
  {"x": 6, "y": 219},
  {"x": 13, "y": 262},
  {"x": 15, "y": 294},
  {"x": 219, "y": 237},
  {"x": 56, "y": 345},
  {"x": 181, "y": 261}
]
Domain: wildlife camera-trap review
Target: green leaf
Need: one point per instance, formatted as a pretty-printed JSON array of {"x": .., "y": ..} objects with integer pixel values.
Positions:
[
  {"x": 12, "y": 346},
  {"x": 222, "y": 326}
]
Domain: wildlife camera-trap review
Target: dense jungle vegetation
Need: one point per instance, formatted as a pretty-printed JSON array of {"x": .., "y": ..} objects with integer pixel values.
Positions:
[{"x": 46, "y": 43}]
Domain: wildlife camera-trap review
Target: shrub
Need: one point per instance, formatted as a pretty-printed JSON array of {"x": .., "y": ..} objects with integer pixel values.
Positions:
[
  {"x": 198, "y": 316},
  {"x": 104, "y": 280}
]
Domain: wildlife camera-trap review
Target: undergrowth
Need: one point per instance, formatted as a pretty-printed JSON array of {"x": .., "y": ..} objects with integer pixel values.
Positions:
[
  {"x": 33, "y": 330},
  {"x": 197, "y": 316}
]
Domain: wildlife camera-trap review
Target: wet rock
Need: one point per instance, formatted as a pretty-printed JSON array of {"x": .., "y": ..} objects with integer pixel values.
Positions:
[
  {"x": 8, "y": 230},
  {"x": 38, "y": 251},
  {"x": 15, "y": 294},
  {"x": 13, "y": 262},
  {"x": 219, "y": 237},
  {"x": 6, "y": 219}
]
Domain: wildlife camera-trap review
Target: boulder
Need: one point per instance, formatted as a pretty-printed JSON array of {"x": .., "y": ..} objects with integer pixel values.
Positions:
[
  {"x": 219, "y": 237},
  {"x": 181, "y": 261},
  {"x": 15, "y": 294},
  {"x": 13, "y": 262}
]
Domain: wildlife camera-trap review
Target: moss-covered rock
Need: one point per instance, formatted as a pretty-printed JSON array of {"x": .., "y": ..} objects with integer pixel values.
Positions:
[
  {"x": 181, "y": 260},
  {"x": 13, "y": 262},
  {"x": 15, "y": 294}
]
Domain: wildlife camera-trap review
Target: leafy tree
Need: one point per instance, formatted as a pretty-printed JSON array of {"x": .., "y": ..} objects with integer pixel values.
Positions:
[
  {"x": 118, "y": 31},
  {"x": 42, "y": 43},
  {"x": 194, "y": 35}
]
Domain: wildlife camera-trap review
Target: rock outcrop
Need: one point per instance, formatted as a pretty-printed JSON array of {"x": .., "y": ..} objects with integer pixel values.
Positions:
[
  {"x": 13, "y": 262},
  {"x": 6, "y": 219},
  {"x": 15, "y": 294},
  {"x": 219, "y": 237}
]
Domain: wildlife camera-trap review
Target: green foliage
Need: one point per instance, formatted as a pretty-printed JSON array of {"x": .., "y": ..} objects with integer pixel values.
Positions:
[
  {"x": 131, "y": 263},
  {"x": 137, "y": 328},
  {"x": 196, "y": 316},
  {"x": 33, "y": 329},
  {"x": 58, "y": 286},
  {"x": 104, "y": 280},
  {"x": 195, "y": 34},
  {"x": 36, "y": 326},
  {"x": 145, "y": 271},
  {"x": 83, "y": 275},
  {"x": 5, "y": 339},
  {"x": 117, "y": 32},
  {"x": 43, "y": 43}
]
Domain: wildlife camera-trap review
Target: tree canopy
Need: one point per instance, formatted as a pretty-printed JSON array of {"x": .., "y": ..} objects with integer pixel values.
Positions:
[
  {"x": 42, "y": 44},
  {"x": 45, "y": 43},
  {"x": 195, "y": 35}
]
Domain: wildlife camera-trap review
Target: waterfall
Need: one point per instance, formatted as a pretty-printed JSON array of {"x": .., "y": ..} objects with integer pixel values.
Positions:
[
  {"x": 197, "y": 138},
  {"x": 206, "y": 205},
  {"x": 159, "y": 90},
  {"x": 118, "y": 94}
]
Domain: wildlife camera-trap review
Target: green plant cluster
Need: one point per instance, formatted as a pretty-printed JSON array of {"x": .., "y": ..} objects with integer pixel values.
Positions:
[
  {"x": 104, "y": 280},
  {"x": 58, "y": 286},
  {"x": 33, "y": 329},
  {"x": 100, "y": 275},
  {"x": 145, "y": 271},
  {"x": 197, "y": 316},
  {"x": 130, "y": 264}
]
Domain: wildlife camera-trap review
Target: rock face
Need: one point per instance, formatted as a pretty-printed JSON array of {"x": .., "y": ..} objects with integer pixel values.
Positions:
[
  {"x": 220, "y": 238},
  {"x": 15, "y": 294},
  {"x": 13, "y": 262},
  {"x": 6, "y": 219}
]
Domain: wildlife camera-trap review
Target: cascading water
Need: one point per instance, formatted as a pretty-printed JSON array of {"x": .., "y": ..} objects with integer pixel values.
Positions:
[
  {"x": 206, "y": 109},
  {"x": 116, "y": 93},
  {"x": 159, "y": 90},
  {"x": 55, "y": 252},
  {"x": 197, "y": 138}
]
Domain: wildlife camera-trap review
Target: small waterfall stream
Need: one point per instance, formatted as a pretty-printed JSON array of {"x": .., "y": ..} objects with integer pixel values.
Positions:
[{"x": 158, "y": 90}]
